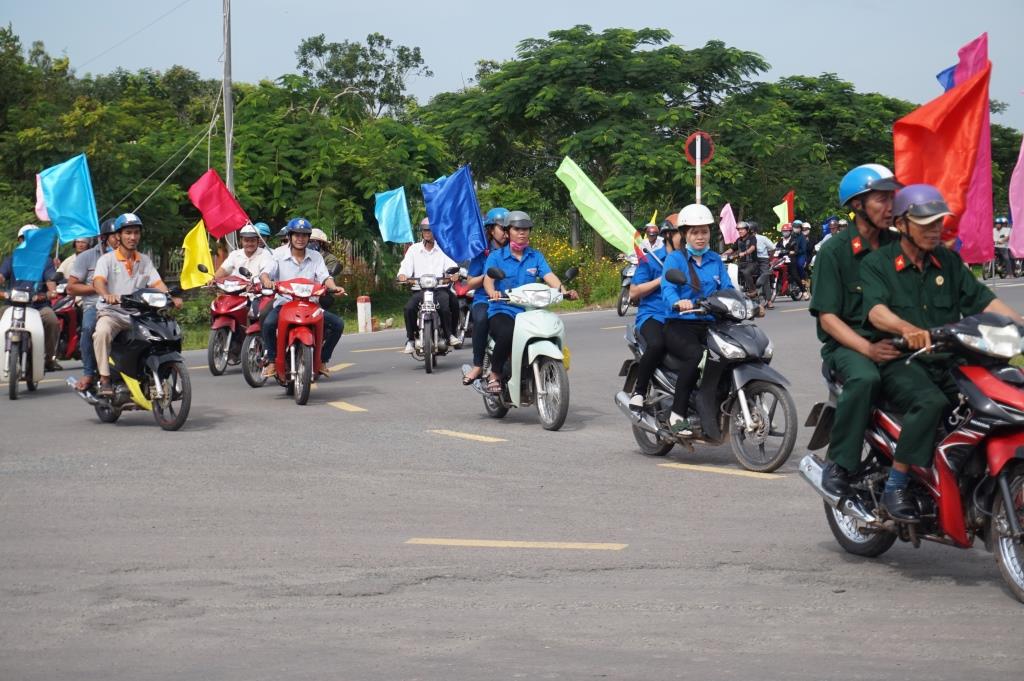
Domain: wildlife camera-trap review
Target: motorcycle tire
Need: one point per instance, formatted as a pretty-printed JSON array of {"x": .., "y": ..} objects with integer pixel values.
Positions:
[
  {"x": 623, "y": 304},
  {"x": 13, "y": 369},
  {"x": 30, "y": 372},
  {"x": 303, "y": 374},
  {"x": 217, "y": 350},
  {"x": 107, "y": 413},
  {"x": 427, "y": 339},
  {"x": 552, "y": 396},
  {"x": 853, "y": 539},
  {"x": 650, "y": 444},
  {"x": 1009, "y": 552},
  {"x": 739, "y": 440},
  {"x": 177, "y": 387},
  {"x": 252, "y": 352}
]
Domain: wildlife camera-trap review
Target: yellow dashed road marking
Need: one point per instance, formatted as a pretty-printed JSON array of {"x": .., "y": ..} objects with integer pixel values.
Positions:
[
  {"x": 339, "y": 367},
  {"x": 612, "y": 328},
  {"x": 400, "y": 347},
  {"x": 498, "y": 544},
  {"x": 467, "y": 436},
  {"x": 797, "y": 309},
  {"x": 722, "y": 471},
  {"x": 345, "y": 406}
]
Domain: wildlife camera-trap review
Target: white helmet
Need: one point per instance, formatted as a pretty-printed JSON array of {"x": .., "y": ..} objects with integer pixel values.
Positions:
[
  {"x": 248, "y": 230},
  {"x": 26, "y": 228},
  {"x": 695, "y": 214},
  {"x": 318, "y": 235}
]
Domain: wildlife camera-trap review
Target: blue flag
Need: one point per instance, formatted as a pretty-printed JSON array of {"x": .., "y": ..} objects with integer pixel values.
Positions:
[
  {"x": 455, "y": 215},
  {"x": 32, "y": 255},
  {"x": 67, "y": 193},
  {"x": 946, "y": 77},
  {"x": 392, "y": 214}
]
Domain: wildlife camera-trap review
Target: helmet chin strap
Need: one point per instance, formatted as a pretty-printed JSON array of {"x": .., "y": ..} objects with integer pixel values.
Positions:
[{"x": 861, "y": 213}]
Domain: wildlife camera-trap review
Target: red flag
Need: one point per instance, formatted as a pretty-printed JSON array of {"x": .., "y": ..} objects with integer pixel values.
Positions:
[
  {"x": 788, "y": 198},
  {"x": 937, "y": 143},
  {"x": 220, "y": 209}
]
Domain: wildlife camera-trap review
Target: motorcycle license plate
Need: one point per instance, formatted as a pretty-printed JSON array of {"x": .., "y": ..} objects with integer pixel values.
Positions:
[{"x": 566, "y": 356}]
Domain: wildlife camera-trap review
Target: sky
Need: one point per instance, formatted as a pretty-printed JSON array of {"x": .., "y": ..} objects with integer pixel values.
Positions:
[{"x": 894, "y": 47}]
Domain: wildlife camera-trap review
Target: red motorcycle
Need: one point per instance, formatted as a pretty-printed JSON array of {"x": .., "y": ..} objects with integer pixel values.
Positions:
[
  {"x": 975, "y": 486},
  {"x": 69, "y": 318},
  {"x": 252, "y": 347},
  {"x": 228, "y": 319},
  {"x": 778, "y": 269},
  {"x": 300, "y": 336}
]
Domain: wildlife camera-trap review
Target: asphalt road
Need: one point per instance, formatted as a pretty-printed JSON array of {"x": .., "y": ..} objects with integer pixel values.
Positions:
[{"x": 271, "y": 541}]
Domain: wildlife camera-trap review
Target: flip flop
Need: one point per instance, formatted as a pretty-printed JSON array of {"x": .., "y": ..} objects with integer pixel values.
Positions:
[
  {"x": 467, "y": 381},
  {"x": 493, "y": 387}
]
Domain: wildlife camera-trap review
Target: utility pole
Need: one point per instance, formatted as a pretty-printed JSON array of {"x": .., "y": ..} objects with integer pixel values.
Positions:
[{"x": 229, "y": 115}]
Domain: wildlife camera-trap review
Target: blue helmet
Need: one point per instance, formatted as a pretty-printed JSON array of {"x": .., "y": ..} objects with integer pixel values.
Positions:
[
  {"x": 263, "y": 228},
  {"x": 126, "y": 220},
  {"x": 870, "y": 177},
  {"x": 495, "y": 216},
  {"x": 300, "y": 226}
]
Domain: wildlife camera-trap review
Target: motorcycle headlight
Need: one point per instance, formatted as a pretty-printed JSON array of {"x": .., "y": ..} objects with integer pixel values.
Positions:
[
  {"x": 724, "y": 347},
  {"x": 769, "y": 350},
  {"x": 995, "y": 341},
  {"x": 302, "y": 290},
  {"x": 538, "y": 298},
  {"x": 19, "y": 296},
  {"x": 155, "y": 299},
  {"x": 428, "y": 281},
  {"x": 739, "y": 309}
]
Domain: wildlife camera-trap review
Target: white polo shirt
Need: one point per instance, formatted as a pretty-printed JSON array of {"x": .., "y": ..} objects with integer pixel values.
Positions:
[
  {"x": 419, "y": 261},
  {"x": 257, "y": 264}
]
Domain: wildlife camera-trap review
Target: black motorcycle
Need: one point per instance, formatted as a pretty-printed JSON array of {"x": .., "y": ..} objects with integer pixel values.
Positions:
[
  {"x": 739, "y": 397},
  {"x": 149, "y": 371}
]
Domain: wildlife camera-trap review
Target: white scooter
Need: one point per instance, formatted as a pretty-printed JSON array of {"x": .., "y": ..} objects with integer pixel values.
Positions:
[
  {"x": 21, "y": 328},
  {"x": 540, "y": 359}
]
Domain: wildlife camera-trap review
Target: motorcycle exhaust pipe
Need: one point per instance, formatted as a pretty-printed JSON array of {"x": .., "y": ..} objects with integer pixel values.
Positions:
[
  {"x": 811, "y": 469},
  {"x": 88, "y": 397},
  {"x": 641, "y": 420}
]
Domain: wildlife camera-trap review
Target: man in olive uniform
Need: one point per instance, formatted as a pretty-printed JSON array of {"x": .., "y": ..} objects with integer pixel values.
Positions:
[
  {"x": 836, "y": 302},
  {"x": 912, "y": 285}
]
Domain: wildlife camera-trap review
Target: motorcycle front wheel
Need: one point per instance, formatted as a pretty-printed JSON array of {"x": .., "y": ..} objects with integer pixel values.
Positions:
[
  {"x": 217, "y": 350},
  {"x": 252, "y": 353},
  {"x": 171, "y": 410},
  {"x": 303, "y": 374},
  {"x": 773, "y": 414},
  {"x": 552, "y": 393},
  {"x": 623, "y": 305},
  {"x": 13, "y": 369},
  {"x": 1009, "y": 550},
  {"x": 427, "y": 340},
  {"x": 854, "y": 538}
]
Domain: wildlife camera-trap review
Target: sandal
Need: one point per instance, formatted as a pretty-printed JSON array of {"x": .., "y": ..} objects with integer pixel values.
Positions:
[
  {"x": 466, "y": 380},
  {"x": 493, "y": 387},
  {"x": 106, "y": 389},
  {"x": 84, "y": 384}
]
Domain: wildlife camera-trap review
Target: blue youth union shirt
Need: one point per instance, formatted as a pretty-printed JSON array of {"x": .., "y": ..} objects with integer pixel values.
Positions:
[
  {"x": 651, "y": 306},
  {"x": 475, "y": 269},
  {"x": 528, "y": 270},
  {"x": 711, "y": 272}
]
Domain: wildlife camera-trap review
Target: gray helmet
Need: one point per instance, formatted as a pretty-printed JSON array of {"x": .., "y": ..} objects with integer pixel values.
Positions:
[
  {"x": 517, "y": 219},
  {"x": 107, "y": 227}
]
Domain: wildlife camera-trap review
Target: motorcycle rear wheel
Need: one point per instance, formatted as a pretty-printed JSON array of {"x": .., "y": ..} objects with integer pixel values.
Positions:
[
  {"x": 252, "y": 352},
  {"x": 171, "y": 411},
  {"x": 427, "y": 340},
  {"x": 217, "y": 350},
  {"x": 107, "y": 413},
  {"x": 750, "y": 450},
  {"x": 1010, "y": 552},
  {"x": 650, "y": 444},
  {"x": 848, "y": 534},
  {"x": 552, "y": 396},
  {"x": 13, "y": 369},
  {"x": 623, "y": 304},
  {"x": 303, "y": 374}
]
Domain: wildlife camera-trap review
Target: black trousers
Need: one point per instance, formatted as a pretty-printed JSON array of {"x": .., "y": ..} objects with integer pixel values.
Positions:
[
  {"x": 748, "y": 275},
  {"x": 764, "y": 270},
  {"x": 442, "y": 299},
  {"x": 501, "y": 326},
  {"x": 654, "y": 333},
  {"x": 480, "y": 326},
  {"x": 686, "y": 340}
]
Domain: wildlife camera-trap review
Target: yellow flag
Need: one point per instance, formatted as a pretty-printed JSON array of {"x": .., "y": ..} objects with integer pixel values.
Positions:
[
  {"x": 197, "y": 252},
  {"x": 595, "y": 207},
  {"x": 654, "y": 218},
  {"x": 782, "y": 211}
]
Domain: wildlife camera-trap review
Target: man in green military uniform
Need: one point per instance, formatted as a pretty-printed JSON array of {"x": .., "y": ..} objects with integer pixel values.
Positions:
[
  {"x": 910, "y": 286},
  {"x": 837, "y": 304}
]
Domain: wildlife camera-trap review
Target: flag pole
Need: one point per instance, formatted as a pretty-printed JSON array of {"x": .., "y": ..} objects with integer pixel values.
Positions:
[{"x": 229, "y": 113}]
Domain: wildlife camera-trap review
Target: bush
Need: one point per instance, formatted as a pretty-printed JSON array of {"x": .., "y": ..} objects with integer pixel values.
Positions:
[{"x": 599, "y": 279}]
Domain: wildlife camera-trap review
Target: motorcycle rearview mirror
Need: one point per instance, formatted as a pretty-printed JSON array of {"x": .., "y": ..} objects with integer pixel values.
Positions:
[
  {"x": 175, "y": 292},
  {"x": 495, "y": 273},
  {"x": 571, "y": 274},
  {"x": 244, "y": 272},
  {"x": 451, "y": 270},
  {"x": 675, "y": 276},
  {"x": 202, "y": 268}
]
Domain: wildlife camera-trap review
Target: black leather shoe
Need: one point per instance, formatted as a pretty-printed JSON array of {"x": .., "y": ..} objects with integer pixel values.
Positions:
[
  {"x": 835, "y": 480},
  {"x": 900, "y": 506}
]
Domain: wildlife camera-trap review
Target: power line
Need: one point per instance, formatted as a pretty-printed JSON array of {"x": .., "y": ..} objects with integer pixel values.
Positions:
[{"x": 132, "y": 35}]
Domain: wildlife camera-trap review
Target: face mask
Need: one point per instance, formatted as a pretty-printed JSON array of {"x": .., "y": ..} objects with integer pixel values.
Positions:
[
  {"x": 693, "y": 251},
  {"x": 519, "y": 247}
]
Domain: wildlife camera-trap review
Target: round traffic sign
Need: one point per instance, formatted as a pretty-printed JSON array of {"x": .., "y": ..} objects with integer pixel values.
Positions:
[{"x": 706, "y": 147}]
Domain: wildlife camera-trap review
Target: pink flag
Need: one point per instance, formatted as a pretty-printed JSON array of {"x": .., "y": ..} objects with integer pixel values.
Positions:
[
  {"x": 1017, "y": 206},
  {"x": 976, "y": 221},
  {"x": 727, "y": 223},
  {"x": 40, "y": 203}
]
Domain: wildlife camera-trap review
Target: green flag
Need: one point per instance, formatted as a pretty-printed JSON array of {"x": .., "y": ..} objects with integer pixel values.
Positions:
[{"x": 595, "y": 208}]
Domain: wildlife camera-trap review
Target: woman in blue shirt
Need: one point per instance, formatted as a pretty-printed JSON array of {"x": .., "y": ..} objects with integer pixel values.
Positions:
[
  {"x": 650, "y": 312},
  {"x": 494, "y": 223},
  {"x": 521, "y": 265},
  {"x": 686, "y": 331}
]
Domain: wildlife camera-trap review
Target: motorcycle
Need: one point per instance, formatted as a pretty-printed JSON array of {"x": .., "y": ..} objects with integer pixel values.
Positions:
[
  {"x": 228, "y": 320},
  {"x": 22, "y": 331},
  {"x": 431, "y": 340},
  {"x": 69, "y": 317},
  {"x": 627, "y": 280},
  {"x": 149, "y": 372},
  {"x": 537, "y": 372},
  {"x": 260, "y": 300},
  {"x": 778, "y": 269},
  {"x": 464, "y": 297},
  {"x": 739, "y": 397},
  {"x": 300, "y": 336},
  {"x": 975, "y": 486}
]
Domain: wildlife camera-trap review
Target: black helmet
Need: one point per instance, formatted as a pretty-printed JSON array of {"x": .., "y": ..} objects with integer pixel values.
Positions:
[
  {"x": 107, "y": 227},
  {"x": 517, "y": 219}
]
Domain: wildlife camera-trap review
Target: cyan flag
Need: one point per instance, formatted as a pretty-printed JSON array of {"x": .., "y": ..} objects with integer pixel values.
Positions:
[
  {"x": 32, "y": 254},
  {"x": 392, "y": 214},
  {"x": 70, "y": 204},
  {"x": 455, "y": 215}
]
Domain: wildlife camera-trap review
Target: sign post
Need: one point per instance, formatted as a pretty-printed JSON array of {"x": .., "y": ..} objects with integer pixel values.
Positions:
[{"x": 699, "y": 150}]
